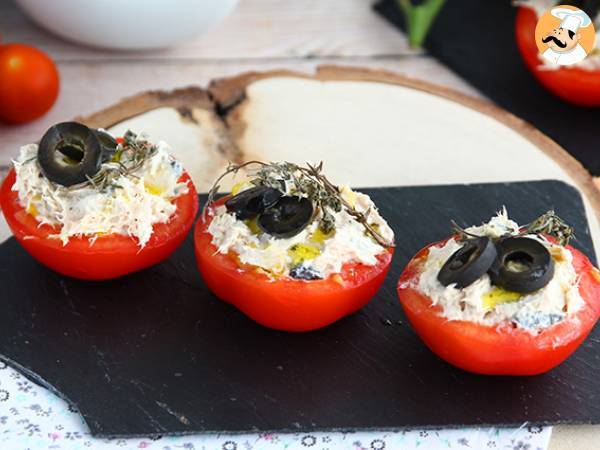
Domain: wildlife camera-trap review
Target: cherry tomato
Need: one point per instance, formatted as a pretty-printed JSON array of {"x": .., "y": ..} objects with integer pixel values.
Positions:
[
  {"x": 28, "y": 83},
  {"x": 496, "y": 350},
  {"x": 573, "y": 84},
  {"x": 111, "y": 255},
  {"x": 285, "y": 303}
]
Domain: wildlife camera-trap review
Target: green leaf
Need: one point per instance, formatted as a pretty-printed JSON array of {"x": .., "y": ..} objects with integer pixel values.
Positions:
[{"x": 419, "y": 18}]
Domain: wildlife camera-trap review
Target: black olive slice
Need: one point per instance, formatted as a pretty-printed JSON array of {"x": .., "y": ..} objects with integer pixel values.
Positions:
[
  {"x": 523, "y": 265},
  {"x": 69, "y": 153},
  {"x": 252, "y": 202},
  {"x": 468, "y": 263},
  {"x": 108, "y": 143},
  {"x": 286, "y": 218}
]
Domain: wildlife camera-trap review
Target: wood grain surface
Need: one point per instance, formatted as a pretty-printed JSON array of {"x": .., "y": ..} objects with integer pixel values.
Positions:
[{"x": 257, "y": 29}]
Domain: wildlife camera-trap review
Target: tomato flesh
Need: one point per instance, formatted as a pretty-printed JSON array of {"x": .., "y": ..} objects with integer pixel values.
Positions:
[
  {"x": 111, "y": 255},
  {"x": 285, "y": 303},
  {"x": 572, "y": 84},
  {"x": 499, "y": 350}
]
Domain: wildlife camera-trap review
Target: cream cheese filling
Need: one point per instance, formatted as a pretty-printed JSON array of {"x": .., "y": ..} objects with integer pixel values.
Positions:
[
  {"x": 558, "y": 299},
  {"x": 131, "y": 206},
  {"x": 348, "y": 243}
]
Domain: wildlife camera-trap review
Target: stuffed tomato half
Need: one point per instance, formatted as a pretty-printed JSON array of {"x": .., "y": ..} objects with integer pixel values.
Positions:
[
  {"x": 93, "y": 208},
  {"x": 502, "y": 299},
  {"x": 291, "y": 250}
]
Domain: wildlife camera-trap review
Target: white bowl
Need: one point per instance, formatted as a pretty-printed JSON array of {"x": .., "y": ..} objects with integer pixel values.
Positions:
[{"x": 127, "y": 24}]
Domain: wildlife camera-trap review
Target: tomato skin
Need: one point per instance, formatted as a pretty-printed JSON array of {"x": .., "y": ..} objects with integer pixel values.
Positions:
[
  {"x": 572, "y": 84},
  {"x": 29, "y": 83},
  {"x": 110, "y": 256},
  {"x": 499, "y": 351},
  {"x": 286, "y": 304}
]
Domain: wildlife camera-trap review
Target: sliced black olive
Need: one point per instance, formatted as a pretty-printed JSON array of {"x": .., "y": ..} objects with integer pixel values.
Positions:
[
  {"x": 286, "y": 218},
  {"x": 303, "y": 272},
  {"x": 108, "y": 143},
  {"x": 69, "y": 153},
  {"x": 468, "y": 263},
  {"x": 252, "y": 202},
  {"x": 523, "y": 265}
]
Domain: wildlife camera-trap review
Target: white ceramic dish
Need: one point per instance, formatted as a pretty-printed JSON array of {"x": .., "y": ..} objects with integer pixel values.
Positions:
[{"x": 130, "y": 24}]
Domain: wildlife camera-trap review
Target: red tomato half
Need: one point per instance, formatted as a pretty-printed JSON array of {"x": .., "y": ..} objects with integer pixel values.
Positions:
[
  {"x": 286, "y": 304},
  {"x": 493, "y": 350},
  {"x": 575, "y": 85},
  {"x": 110, "y": 256}
]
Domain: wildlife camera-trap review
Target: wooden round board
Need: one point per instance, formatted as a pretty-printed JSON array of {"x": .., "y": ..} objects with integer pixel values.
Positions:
[{"x": 370, "y": 127}]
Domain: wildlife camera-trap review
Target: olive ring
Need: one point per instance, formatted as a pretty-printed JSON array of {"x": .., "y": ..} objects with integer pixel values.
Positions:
[
  {"x": 286, "y": 218},
  {"x": 251, "y": 202},
  {"x": 69, "y": 153},
  {"x": 523, "y": 265},
  {"x": 278, "y": 215},
  {"x": 108, "y": 143},
  {"x": 468, "y": 263}
]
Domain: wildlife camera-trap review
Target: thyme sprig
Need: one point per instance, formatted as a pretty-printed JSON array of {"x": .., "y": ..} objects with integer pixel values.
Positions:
[
  {"x": 303, "y": 181},
  {"x": 552, "y": 225},
  {"x": 306, "y": 182},
  {"x": 129, "y": 157},
  {"x": 461, "y": 232},
  {"x": 360, "y": 217},
  {"x": 548, "y": 224}
]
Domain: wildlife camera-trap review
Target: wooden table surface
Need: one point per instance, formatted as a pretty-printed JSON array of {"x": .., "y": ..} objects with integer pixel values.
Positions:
[{"x": 259, "y": 35}]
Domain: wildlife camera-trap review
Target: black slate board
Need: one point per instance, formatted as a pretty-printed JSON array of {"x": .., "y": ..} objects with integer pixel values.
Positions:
[
  {"x": 156, "y": 353},
  {"x": 475, "y": 38}
]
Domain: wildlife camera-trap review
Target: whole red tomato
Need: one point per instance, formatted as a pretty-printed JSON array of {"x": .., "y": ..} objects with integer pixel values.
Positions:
[
  {"x": 28, "y": 83},
  {"x": 492, "y": 350},
  {"x": 572, "y": 84}
]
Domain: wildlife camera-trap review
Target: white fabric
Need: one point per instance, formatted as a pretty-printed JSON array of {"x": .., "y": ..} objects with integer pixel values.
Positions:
[{"x": 34, "y": 419}]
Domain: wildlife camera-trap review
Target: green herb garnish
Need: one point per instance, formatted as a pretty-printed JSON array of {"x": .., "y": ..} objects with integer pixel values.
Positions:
[
  {"x": 302, "y": 181},
  {"x": 548, "y": 224},
  {"x": 130, "y": 157},
  {"x": 551, "y": 225}
]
